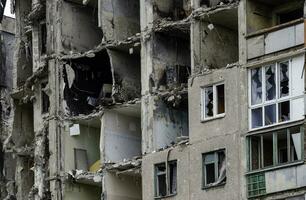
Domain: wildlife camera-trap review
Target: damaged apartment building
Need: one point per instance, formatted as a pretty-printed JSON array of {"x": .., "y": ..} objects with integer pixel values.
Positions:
[{"x": 153, "y": 99}]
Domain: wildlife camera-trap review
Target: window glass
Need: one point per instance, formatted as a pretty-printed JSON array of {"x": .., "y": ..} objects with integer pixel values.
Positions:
[
  {"x": 256, "y": 86},
  {"x": 284, "y": 111},
  {"x": 209, "y": 102},
  {"x": 267, "y": 150},
  {"x": 255, "y": 152},
  {"x": 214, "y": 168},
  {"x": 295, "y": 144},
  {"x": 284, "y": 79},
  {"x": 282, "y": 146},
  {"x": 270, "y": 114},
  {"x": 256, "y": 117},
  {"x": 173, "y": 177},
  {"x": 161, "y": 186},
  {"x": 270, "y": 83}
]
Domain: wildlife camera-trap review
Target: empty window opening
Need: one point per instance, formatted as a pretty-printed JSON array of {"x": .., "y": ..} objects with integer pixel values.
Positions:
[
  {"x": 88, "y": 83},
  {"x": 173, "y": 9},
  {"x": 43, "y": 38},
  {"x": 213, "y": 101},
  {"x": 166, "y": 179},
  {"x": 285, "y": 17},
  {"x": 172, "y": 62},
  {"x": 276, "y": 148},
  {"x": 214, "y": 168},
  {"x": 45, "y": 101},
  {"x": 127, "y": 73}
]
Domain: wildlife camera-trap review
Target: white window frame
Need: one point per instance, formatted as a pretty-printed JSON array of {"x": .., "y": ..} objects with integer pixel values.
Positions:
[
  {"x": 215, "y": 102},
  {"x": 277, "y": 99}
]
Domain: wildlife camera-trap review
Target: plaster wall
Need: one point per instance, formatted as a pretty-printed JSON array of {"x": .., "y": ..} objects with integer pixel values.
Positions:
[
  {"x": 122, "y": 187},
  {"x": 121, "y": 136},
  {"x": 236, "y": 104},
  {"x": 168, "y": 125},
  {"x": 81, "y": 191},
  {"x": 88, "y": 139}
]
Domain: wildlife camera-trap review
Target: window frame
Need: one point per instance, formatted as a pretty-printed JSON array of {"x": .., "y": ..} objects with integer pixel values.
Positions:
[
  {"x": 168, "y": 179},
  {"x": 276, "y": 162},
  {"x": 264, "y": 103},
  {"x": 215, "y": 102},
  {"x": 216, "y": 162}
]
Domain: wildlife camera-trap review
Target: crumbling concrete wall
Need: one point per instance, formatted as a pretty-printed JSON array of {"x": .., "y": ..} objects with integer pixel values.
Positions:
[
  {"x": 119, "y": 19},
  {"x": 218, "y": 47},
  {"x": 126, "y": 74},
  {"x": 79, "y": 28}
]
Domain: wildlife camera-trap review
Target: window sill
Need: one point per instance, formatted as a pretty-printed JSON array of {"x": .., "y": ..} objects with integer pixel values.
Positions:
[
  {"x": 167, "y": 196},
  {"x": 213, "y": 118},
  {"x": 273, "y": 127},
  {"x": 213, "y": 186},
  {"x": 281, "y": 166}
]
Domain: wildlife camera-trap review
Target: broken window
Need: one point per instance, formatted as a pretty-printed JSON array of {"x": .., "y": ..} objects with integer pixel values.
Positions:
[
  {"x": 214, "y": 168},
  {"x": 256, "y": 85},
  {"x": 166, "y": 179},
  {"x": 284, "y": 79},
  {"x": 213, "y": 101},
  {"x": 275, "y": 148},
  {"x": 45, "y": 102},
  {"x": 88, "y": 83},
  {"x": 270, "y": 96},
  {"x": 43, "y": 38}
]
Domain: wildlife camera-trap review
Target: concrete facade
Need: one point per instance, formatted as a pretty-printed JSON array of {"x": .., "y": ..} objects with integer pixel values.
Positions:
[{"x": 153, "y": 99}]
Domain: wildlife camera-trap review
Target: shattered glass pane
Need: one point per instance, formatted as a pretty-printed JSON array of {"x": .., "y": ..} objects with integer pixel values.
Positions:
[
  {"x": 256, "y": 86},
  {"x": 209, "y": 102},
  {"x": 270, "y": 114},
  {"x": 284, "y": 79},
  {"x": 270, "y": 83},
  {"x": 284, "y": 111},
  {"x": 256, "y": 117}
]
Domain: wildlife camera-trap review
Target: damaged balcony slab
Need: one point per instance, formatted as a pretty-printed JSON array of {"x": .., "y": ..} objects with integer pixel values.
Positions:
[
  {"x": 88, "y": 178},
  {"x": 163, "y": 25},
  {"x": 128, "y": 167},
  {"x": 133, "y": 41},
  {"x": 204, "y": 12}
]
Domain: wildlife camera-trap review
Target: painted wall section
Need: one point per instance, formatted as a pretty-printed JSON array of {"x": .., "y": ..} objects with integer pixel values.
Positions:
[
  {"x": 88, "y": 139},
  {"x": 121, "y": 135}
]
